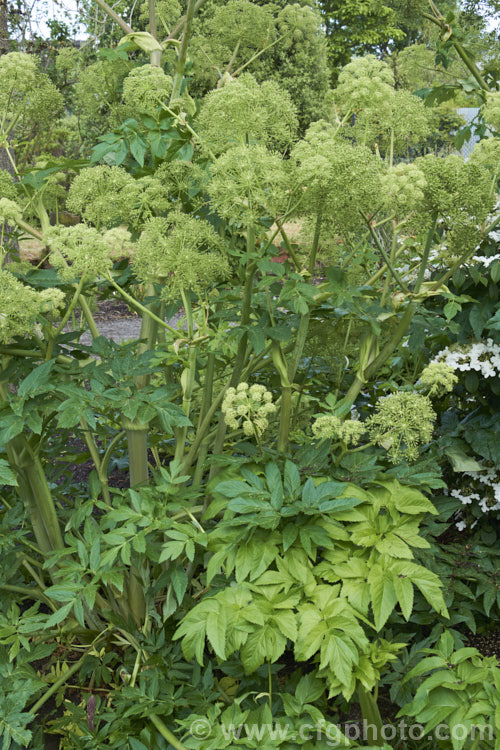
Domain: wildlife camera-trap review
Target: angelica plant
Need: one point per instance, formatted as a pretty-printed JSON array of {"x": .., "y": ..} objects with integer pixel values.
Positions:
[{"x": 402, "y": 423}]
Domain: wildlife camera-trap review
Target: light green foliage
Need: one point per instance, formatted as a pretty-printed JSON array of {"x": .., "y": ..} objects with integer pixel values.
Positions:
[
  {"x": 244, "y": 111},
  {"x": 299, "y": 62},
  {"x": 491, "y": 111},
  {"x": 44, "y": 104},
  {"x": 307, "y": 563},
  {"x": 183, "y": 252},
  {"x": 145, "y": 88},
  {"x": 340, "y": 179},
  {"x": 7, "y": 189},
  {"x": 365, "y": 83},
  {"x": 68, "y": 61},
  {"x": 9, "y": 210},
  {"x": 402, "y": 423},
  {"x": 78, "y": 252},
  {"x": 461, "y": 193},
  {"x": 458, "y": 688},
  {"x": 438, "y": 378},
  {"x": 402, "y": 188},
  {"x": 19, "y": 305},
  {"x": 403, "y": 122},
  {"x": 249, "y": 406},
  {"x": 248, "y": 183}
]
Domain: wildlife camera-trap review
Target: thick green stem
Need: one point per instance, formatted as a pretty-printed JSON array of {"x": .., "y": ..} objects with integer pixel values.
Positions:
[
  {"x": 242, "y": 346},
  {"x": 181, "y": 61},
  {"x": 188, "y": 378},
  {"x": 56, "y": 685},
  {"x": 166, "y": 733},
  {"x": 285, "y": 414},
  {"x": 208, "y": 390},
  {"x": 89, "y": 318},
  {"x": 372, "y": 717},
  {"x": 155, "y": 55},
  {"x": 425, "y": 255}
]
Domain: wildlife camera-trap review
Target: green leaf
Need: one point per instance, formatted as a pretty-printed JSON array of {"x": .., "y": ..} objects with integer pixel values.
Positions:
[
  {"x": 142, "y": 40},
  {"x": 179, "y": 580},
  {"x": 460, "y": 461},
  {"x": 38, "y": 381},
  {"x": 7, "y": 476},
  {"x": 404, "y": 592},
  {"x": 382, "y": 593},
  {"x": 216, "y": 631},
  {"x": 59, "y": 615}
]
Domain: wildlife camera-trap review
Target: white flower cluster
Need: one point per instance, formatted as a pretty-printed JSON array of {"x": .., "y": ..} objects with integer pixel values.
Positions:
[
  {"x": 483, "y": 490},
  {"x": 250, "y": 404},
  {"x": 483, "y": 357},
  {"x": 486, "y": 260}
]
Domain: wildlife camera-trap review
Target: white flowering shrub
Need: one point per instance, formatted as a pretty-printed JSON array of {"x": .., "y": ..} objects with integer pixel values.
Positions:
[{"x": 482, "y": 357}]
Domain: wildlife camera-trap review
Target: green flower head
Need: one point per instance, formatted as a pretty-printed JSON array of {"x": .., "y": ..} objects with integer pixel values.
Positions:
[
  {"x": 9, "y": 211},
  {"x": 438, "y": 378},
  {"x": 102, "y": 195},
  {"x": 248, "y": 183},
  {"x": 351, "y": 431},
  {"x": 244, "y": 111},
  {"x": 455, "y": 187},
  {"x": 402, "y": 188},
  {"x": 327, "y": 426},
  {"x": 78, "y": 251},
  {"x": 338, "y": 178},
  {"x": 364, "y": 83},
  {"x": 119, "y": 241},
  {"x": 491, "y": 111},
  {"x": 17, "y": 76},
  {"x": 183, "y": 252},
  {"x": 20, "y": 306},
  {"x": 248, "y": 407},
  {"x": 401, "y": 424},
  {"x": 7, "y": 187},
  {"x": 145, "y": 88},
  {"x": 108, "y": 196},
  {"x": 486, "y": 154}
]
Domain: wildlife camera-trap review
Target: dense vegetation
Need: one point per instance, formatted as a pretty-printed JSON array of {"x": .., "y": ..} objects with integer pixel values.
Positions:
[{"x": 271, "y": 519}]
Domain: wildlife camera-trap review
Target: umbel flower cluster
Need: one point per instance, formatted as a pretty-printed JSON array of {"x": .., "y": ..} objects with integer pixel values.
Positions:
[
  {"x": 184, "y": 252},
  {"x": 330, "y": 426},
  {"x": 438, "y": 378},
  {"x": 401, "y": 424},
  {"x": 249, "y": 406},
  {"x": 479, "y": 493},
  {"x": 23, "y": 305},
  {"x": 482, "y": 357}
]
